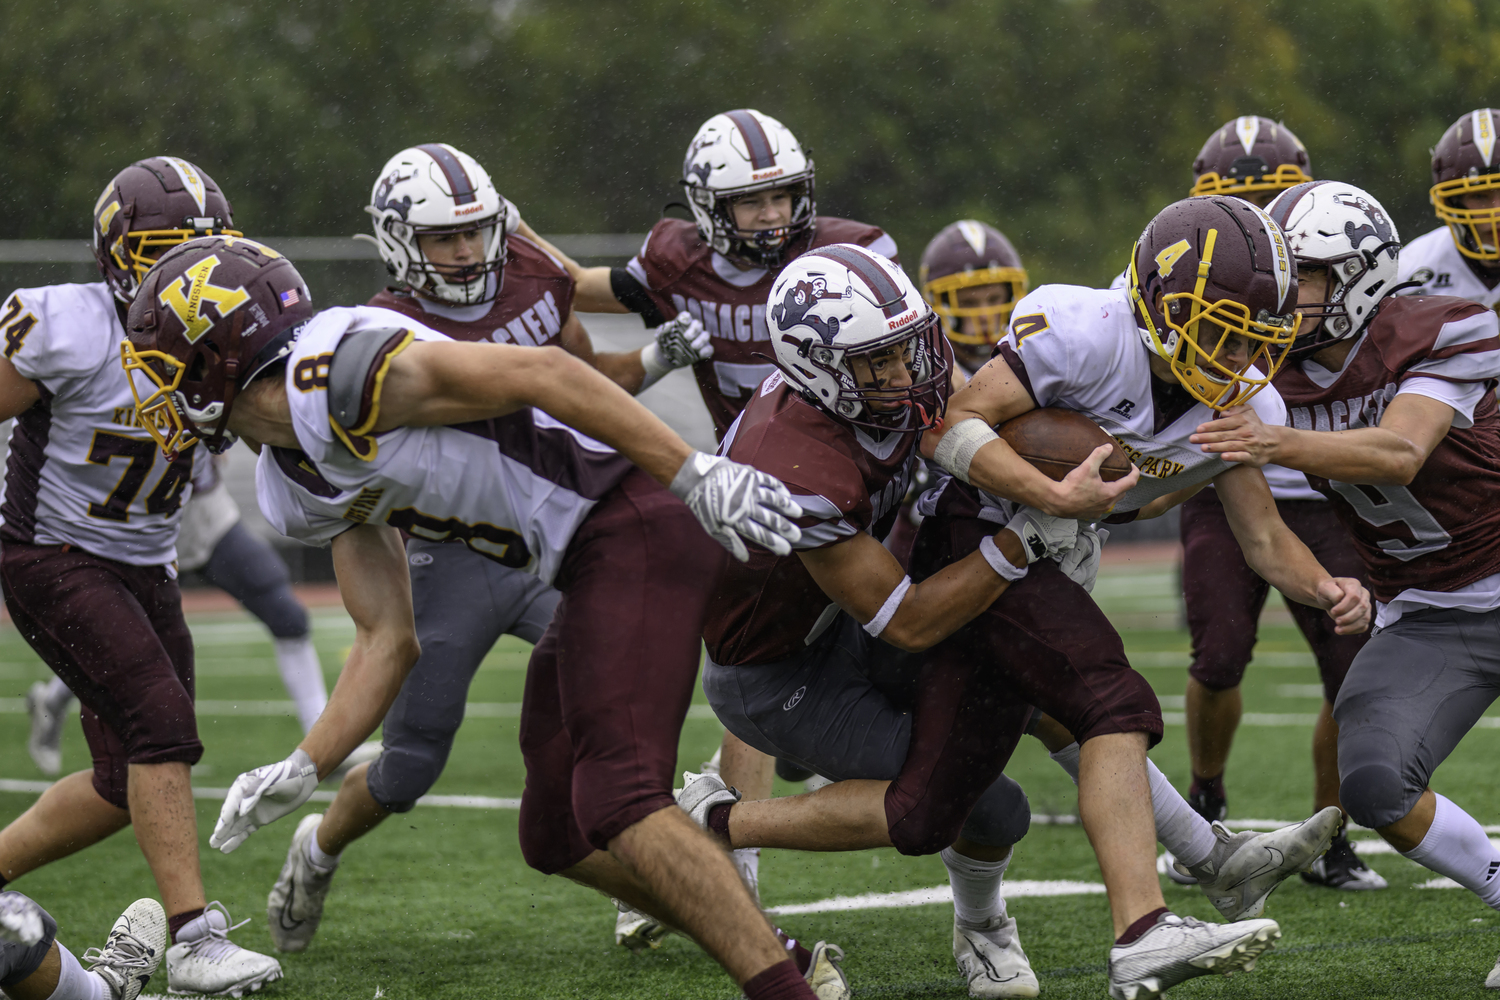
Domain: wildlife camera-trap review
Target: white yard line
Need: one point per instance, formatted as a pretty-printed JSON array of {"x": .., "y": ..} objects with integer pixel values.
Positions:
[{"x": 1019, "y": 889}]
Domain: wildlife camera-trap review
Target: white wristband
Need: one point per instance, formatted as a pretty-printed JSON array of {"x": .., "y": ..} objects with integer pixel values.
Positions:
[
  {"x": 888, "y": 609},
  {"x": 652, "y": 363},
  {"x": 959, "y": 444},
  {"x": 998, "y": 562}
]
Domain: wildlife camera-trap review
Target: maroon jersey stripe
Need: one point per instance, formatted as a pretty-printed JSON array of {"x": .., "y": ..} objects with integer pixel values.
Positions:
[
  {"x": 886, "y": 291},
  {"x": 756, "y": 141},
  {"x": 23, "y": 469},
  {"x": 458, "y": 177}
]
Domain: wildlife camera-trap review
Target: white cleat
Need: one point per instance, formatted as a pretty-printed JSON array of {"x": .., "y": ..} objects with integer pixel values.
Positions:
[
  {"x": 990, "y": 957},
  {"x": 1177, "y": 949},
  {"x": 700, "y": 793},
  {"x": 295, "y": 906},
  {"x": 45, "y": 742},
  {"x": 824, "y": 975},
  {"x": 204, "y": 960},
  {"x": 20, "y": 920},
  {"x": 1167, "y": 865},
  {"x": 1244, "y": 868},
  {"x": 1492, "y": 981},
  {"x": 135, "y": 947},
  {"x": 636, "y": 930}
]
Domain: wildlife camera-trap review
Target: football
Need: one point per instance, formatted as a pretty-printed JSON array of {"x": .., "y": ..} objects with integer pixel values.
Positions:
[{"x": 1056, "y": 441}]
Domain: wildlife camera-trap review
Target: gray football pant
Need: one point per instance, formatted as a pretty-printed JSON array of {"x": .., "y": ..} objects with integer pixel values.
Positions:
[
  {"x": 249, "y": 570},
  {"x": 1412, "y": 693},
  {"x": 464, "y": 602},
  {"x": 17, "y": 961}
]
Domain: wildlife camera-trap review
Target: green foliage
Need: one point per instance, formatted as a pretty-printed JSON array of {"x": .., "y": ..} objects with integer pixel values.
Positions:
[{"x": 1066, "y": 122}]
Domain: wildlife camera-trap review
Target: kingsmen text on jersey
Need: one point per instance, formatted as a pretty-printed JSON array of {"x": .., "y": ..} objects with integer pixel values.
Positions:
[
  {"x": 81, "y": 472},
  {"x": 1434, "y": 260},
  {"x": 1079, "y": 349},
  {"x": 514, "y": 488}
]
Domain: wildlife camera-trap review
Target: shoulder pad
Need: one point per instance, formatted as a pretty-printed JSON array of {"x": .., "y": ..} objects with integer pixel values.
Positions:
[{"x": 356, "y": 376}]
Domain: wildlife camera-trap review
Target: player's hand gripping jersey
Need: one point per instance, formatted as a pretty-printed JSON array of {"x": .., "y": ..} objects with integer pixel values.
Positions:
[
  {"x": 1077, "y": 348},
  {"x": 680, "y": 272},
  {"x": 514, "y": 488},
  {"x": 846, "y": 480},
  {"x": 81, "y": 472},
  {"x": 534, "y": 301},
  {"x": 1441, "y": 533},
  {"x": 1433, "y": 261}
]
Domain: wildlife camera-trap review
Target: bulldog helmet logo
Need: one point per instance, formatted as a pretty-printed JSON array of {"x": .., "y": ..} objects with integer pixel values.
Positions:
[
  {"x": 1378, "y": 226},
  {"x": 799, "y": 300},
  {"x": 383, "y": 200}
]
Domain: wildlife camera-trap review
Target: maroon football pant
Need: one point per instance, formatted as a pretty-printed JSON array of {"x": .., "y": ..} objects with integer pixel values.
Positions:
[
  {"x": 609, "y": 685},
  {"x": 115, "y": 635},
  {"x": 1225, "y": 596},
  {"x": 1049, "y": 641}
]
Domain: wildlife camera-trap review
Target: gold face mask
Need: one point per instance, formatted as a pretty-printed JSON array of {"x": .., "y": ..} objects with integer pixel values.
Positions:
[
  {"x": 1476, "y": 231},
  {"x": 1285, "y": 176},
  {"x": 158, "y": 412},
  {"x": 1203, "y": 329},
  {"x": 942, "y": 295}
]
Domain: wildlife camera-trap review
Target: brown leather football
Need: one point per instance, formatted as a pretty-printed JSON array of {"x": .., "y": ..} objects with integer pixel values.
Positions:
[{"x": 1056, "y": 441}]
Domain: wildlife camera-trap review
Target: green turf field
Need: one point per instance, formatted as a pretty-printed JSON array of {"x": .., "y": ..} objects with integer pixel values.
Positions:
[{"x": 438, "y": 903}]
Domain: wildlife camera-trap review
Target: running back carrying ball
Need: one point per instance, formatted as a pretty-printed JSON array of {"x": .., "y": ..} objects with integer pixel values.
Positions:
[{"x": 1057, "y": 441}]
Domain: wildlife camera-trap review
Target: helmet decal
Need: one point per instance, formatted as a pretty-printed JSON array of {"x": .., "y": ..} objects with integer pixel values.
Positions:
[
  {"x": 756, "y": 140},
  {"x": 973, "y": 234},
  {"x": 1247, "y": 127},
  {"x": 458, "y": 178},
  {"x": 382, "y": 199},
  {"x": 1484, "y": 135},
  {"x": 1169, "y": 255},
  {"x": 189, "y": 307},
  {"x": 188, "y": 174},
  {"x": 1378, "y": 226},
  {"x": 887, "y": 294},
  {"x": 799, "y": 301},
  {"x": 1282, "y": 263}
]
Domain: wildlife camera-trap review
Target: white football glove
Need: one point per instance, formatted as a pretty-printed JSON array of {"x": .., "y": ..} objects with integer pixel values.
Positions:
[
  {"x": 1081, "y": 563},
  {"x": 263, "y": 796},
  {"x": 20, "y": 920},
  {"x": 732, "y": 500},
  {"x": 679, "y": 343},
  {"x": 1042, "y": 535}
]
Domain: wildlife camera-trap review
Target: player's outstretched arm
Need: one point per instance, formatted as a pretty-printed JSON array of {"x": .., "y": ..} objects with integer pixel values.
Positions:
[
  {"x": 1281, "y": 558},
  {"x": 677, "y": 343},
  {"x": 1389, "y": 454},
  {"x": 967, "y": 447},
  {"x": 371, "y": 568},
  {"x": 591, "y": 288}
]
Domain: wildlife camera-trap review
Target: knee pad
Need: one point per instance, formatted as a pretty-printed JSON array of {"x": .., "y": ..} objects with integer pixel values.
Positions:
[
  {"x": 398, "y": 778},
  {"x": 1001, "y": 817},
  {"x": 18, "y": 961},
  {"x": 1374, "y": 795}
]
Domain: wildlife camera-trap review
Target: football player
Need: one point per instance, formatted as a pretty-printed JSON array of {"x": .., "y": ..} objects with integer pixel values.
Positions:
[
  {"x": 87, "y": 545},
  {"x": 449, "y": 240},
  {"x": 972, "y": 277},
  {"x": 1254, "y": 159},
  {"x": 368, "y": 422},
  {"x": 1212, "y": 293},
  {"x": 750, "y": 187},
  {"x": 1393, "y": 418},
  {"x": 1462, "y": 256},
  {"x": 34, "y": 965}
]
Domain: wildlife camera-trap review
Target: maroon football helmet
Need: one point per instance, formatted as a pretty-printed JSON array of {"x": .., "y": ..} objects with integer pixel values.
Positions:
[
  {"x": 209, "y": 317},
  {"x": 970, "y": 254},
  {"x": 148, "y": 207},
  {"x": 1465, "y": 161},
  {"x": 1250, "y": 157},
  {"x": 1206, "y": 272}
]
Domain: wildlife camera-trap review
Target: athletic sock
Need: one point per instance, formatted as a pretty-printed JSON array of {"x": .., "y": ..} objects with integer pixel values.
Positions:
[
  {"x": 1067, "y": 759},
  {"x": 781, "y": 981},
  {"x": 303, "y": 676},
  {"x": 57, "y": 696},
  {"x": 175, "y": 924},
  {"x": 718, "y": 820},
  {"x": 1141, "y": 926},
  {"x": 74, "y": 982},
  {"x": 976, "y": 887},
  {"x": 747, "y": 863},
  {"x": 319, "y": 857},
  {"x": 1456, "y": 846},
  {"x": 1211, "y": 787},
  {"x": 1180, "y": 829}
]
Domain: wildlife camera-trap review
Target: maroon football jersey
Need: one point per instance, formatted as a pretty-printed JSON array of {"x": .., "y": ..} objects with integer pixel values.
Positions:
[
  {"x": 535, "y": 300},
  {"x": 846, "y": 481},
  {"x": 678, "y": 271},
  {"x": 1442, "y": 531}
]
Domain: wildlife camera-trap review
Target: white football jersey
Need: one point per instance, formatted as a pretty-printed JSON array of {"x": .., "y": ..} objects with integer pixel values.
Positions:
[
  {"x": 1434, "y": 260},
  {"x": 1080, "y": 350},
  {"x": 514, "y": 488},
  {"x": 81, "y": 472}
]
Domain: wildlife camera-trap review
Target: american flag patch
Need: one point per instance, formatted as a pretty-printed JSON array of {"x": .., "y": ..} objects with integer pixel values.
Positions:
[{"x": 289, "y": 298}]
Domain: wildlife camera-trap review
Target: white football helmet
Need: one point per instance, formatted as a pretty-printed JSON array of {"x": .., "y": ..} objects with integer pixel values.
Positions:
[
  {"x": 741, "y": 152},
  {"x": 434, "y": 188},
  {"x": 838, "y": 303},
  {"x": 1343, "y": 228}
]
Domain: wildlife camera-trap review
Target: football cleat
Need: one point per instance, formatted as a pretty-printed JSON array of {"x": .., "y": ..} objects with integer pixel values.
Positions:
[
  {"x": 1212, "y": 806},
  {"x": 1492, "y": 981},
  {"x": 20, "y": 920},
  {"x": 204, "y": 960},
  {"x": 1244, "y": 868},
  {"x": 636, "y": 930},
  {"x": 135, "y": 947},
  {"x": 45, "y": 742},
  {"x": 1168, "y": 865},
  {"x": 295, "y": 907},
  {"x": 700, "y": 793},
  {"x": 1341, "y": 868},
  {"x": 990, "y": 957},
  {"x": 1177, "y": 949},
  {"x": 824, "y": 975}
]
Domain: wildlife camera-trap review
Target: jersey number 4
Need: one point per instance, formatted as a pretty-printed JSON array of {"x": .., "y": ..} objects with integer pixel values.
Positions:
[
  {"x": 16, "y": 325},
  {"x": 142, "y": 455},
  {"x": 1383, "y": 505}
]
